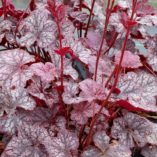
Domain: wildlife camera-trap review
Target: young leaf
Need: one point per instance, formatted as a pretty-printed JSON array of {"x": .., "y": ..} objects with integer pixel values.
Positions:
[
  {"x": 130, "y": 60},
  {"x": 46, "y": 71},
  {"x": 92, "y": 90},
  {"x": 139, "y": 89},
  {"x": 104, "y": 68}
]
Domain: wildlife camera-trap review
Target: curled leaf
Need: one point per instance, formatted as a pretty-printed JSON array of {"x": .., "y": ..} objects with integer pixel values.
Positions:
[
  {"x": 92, "y": 90},
  {"x": 46, "y": 71}
]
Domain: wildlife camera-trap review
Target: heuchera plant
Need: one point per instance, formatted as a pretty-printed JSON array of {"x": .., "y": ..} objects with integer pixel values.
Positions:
[{"x": 73, "y": 81}]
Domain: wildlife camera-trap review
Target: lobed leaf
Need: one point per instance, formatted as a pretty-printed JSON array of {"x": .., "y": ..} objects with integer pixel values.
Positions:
[
  {"x": 13, "y": 69},
  {"x": 139, "y": 89}
]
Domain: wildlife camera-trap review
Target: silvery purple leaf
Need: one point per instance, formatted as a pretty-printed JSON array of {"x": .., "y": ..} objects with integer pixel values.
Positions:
[
  {"x": 10, "y": 100},
  {"x": 101, "y": 140},
  {"x": 139, "y": 89},
  {"x": 39, "y": 117},
  {"x": 64, "y": 145},
  {"x": 117, "y": 150},
  {"x": 114, "y": 150},
  {"x": 134, "y": 130},
  {"x": 5, "y": 27},
  {"x": 37, "y": 28},
  {"x": 91, "y": 152},
  {"x": 71, "y": 89},
  {"x": 13, "y": 69},
  {"x": 149, "y": 151},
  {"x": 91, "y": 90},
  {"x": 9, "y": 124},
  {"x": 85, "y": 110},
  {"x": 151, "y": 46},
  {"x": 81, "y": 51},
  {"x": 31, "y": 141},
  {"x": 79, "y": 16}
]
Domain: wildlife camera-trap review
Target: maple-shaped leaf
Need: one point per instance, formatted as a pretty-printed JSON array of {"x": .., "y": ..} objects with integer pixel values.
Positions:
[
  {"x": 149, "y": 151},
  {"x": 139, "y": 89},
  {"x": 84, "y": 110},
  {"x": 13, "y": 69},
  {"x": 64, "y": 145},
  {"x": 130, "y": 60},
  {"x": 91, "y": 90},
  {"x": 37, "y": 28},
  {"x": 11, "y": 99},
  {"x": 133, "y": 130},
  {"x": 31, "y": 141},
  {"x": 46, "y": 71},
  {"x": 101, "y": 140}
]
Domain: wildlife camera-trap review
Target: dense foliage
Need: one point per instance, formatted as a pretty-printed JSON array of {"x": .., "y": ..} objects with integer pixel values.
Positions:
[{"x": 73, "y": 81}]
